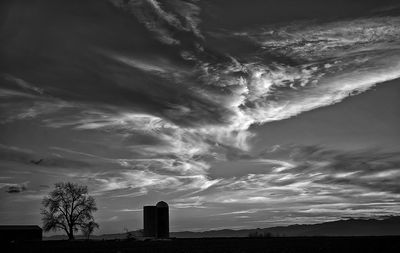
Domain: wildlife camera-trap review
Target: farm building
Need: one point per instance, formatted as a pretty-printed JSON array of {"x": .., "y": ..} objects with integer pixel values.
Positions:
[
  {"x": 156, "y": 220},
  {"x": 9, "y": 233}
]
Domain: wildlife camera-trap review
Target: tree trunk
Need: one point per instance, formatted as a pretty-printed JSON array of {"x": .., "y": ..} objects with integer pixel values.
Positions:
[{"x": 71, "y": 234}]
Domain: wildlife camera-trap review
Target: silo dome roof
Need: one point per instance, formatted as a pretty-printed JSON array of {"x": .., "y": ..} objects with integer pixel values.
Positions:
[{"x": 162, "y": 204}]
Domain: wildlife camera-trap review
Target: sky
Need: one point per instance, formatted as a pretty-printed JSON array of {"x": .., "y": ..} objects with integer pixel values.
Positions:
[{"x": 239, "y": 114}]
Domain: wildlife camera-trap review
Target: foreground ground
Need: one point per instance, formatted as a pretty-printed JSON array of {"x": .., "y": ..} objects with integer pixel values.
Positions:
[{"x": 220, "y": 245}]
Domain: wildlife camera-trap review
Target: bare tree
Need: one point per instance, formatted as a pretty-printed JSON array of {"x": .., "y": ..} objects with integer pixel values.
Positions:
[
  {"x": 68, "y": 207},
  {"x": 88, "y": 229}
]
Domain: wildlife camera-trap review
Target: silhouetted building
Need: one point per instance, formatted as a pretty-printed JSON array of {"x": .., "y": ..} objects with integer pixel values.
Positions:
[
  {"x": 150, "y": 221},
  {"x": 162, "y": 220},
  {"x": 20, "y": 233},
  {"x": 156, "y": 220}
]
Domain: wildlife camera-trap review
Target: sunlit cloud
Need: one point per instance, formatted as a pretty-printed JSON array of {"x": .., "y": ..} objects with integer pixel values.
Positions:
[{"x": 158, "y": 118}]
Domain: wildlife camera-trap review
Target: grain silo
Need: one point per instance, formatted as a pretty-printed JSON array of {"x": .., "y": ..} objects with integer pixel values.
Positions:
[
  {"x": 150, "y": 221},
  {"x": 162, "y": 220},
  {"x": 156, "y": 220}
]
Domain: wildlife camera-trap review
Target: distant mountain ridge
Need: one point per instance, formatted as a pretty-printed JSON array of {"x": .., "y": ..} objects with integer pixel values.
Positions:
[{"x": 351, "y": 227}]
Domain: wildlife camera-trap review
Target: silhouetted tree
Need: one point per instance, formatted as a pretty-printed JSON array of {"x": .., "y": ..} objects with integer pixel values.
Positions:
[
  {"x": 68, "y": 207},
  {"x": 88, "y": 228}
]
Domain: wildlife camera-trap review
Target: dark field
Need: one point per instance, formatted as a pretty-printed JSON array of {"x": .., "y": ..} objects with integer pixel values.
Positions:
[{"x": 277, "y": 244}]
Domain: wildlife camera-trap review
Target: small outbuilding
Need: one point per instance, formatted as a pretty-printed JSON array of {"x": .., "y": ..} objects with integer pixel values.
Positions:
[{"x": 9, "y": 233}]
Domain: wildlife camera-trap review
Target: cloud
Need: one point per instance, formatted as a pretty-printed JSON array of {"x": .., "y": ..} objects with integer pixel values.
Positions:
[
  {"x": 315, "y": 41},
  {"x": 166, "y": 19},
  {"x": 139, "y": 181},
  {"x": 323, "y": 183},
  {"x": 214, "y": 93},
  {"x": 14, "y": 188},
  {"x": 28, "y": 157},
  {"x": 202, "y": 106},
  {"x": 23, "y": 84},
  {"x": 308, "y": 179},
  {"x": 24, "y": 100},
  {"x": 370, "y": 169},
  {"x": 177, "y": 105},
  {"x": 131, "y": 210}
]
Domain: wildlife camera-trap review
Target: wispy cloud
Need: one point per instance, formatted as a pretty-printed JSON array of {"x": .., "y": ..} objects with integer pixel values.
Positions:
[
  {"x": 131, "y": 210},
  {"x": 166, "y": 110},
  {"x": 183, "y": 17}
]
